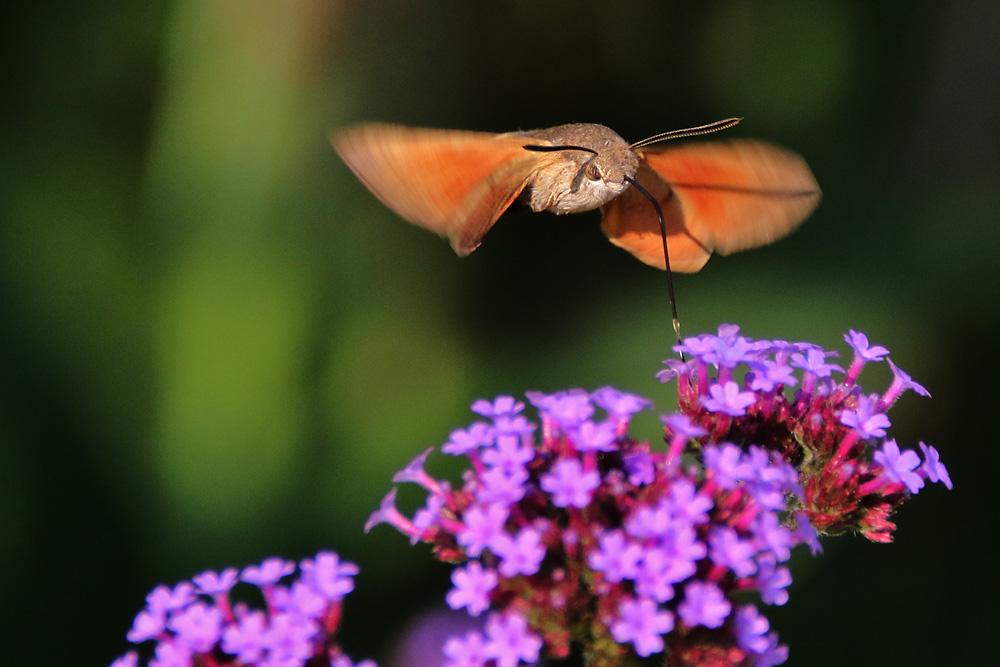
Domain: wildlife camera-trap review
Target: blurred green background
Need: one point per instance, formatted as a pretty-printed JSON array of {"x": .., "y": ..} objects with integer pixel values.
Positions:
[{"x": 217, "y": 346}]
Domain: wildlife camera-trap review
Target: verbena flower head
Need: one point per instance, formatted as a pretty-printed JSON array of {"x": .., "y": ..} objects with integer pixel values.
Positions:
[
  {"x": 791, "y": 403},
  {"x": 196, "y": 623},
  {"x": 567, "y": 531}
]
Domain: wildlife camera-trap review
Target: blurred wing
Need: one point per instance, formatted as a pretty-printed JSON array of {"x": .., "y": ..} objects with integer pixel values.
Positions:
[
  {"x": 453, "y": 183},
  {"x": 716, "y": 197}
]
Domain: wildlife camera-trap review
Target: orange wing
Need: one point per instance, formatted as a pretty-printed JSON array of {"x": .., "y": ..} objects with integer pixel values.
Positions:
[
  {"x": 715, "y": 197},
  {"x": 453, "y": 183}
]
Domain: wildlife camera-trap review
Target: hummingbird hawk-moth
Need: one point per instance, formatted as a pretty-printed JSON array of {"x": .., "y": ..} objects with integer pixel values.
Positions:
[{"x": 712, "y": 196}]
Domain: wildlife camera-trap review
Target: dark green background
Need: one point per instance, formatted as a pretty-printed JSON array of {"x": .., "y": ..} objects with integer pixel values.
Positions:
[{"x": 217, "y": 346}]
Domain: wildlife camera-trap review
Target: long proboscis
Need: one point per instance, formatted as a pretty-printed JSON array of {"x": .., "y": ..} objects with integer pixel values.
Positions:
[
  {"x": 666, "y": 258},
  {"x": 675, "y": 134}
]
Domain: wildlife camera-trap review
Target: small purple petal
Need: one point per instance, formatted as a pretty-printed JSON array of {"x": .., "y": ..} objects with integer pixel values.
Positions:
[
  {"x": 859, "y": 343},
  {"x": 472, "y": 588},
  {"x": 932, "y": 466},
  {"x": 329, "y": 576},
  {"x": 680, "y": 424},
  {"x": 619, "y": 403},
  {"x": 211, "y": 583},
  {"x": 462, "y": 441},
  {"x": 467, "y": 651},
  {"x": 899, "y": 466},
  {"x": 813, "y": 360},
  {"x": 729, "y": 399},
  {"x": 482, "y": 524},
  {"x": 568, "y": 408},
  {"x": 642, "y": 623},
  {"x": 268, "y": 572},
  {"x": 704, "y": 604},
  {"x": 866, "y": 419},
  {"x": 617, "y": 557},
  {"x": 569, "y": 485},
  {"x": 199, "y": 626},
  {"x": 521, "y": 554},
  {"x": 510, "y": 641},
  {"x": 501, "y": 406}
]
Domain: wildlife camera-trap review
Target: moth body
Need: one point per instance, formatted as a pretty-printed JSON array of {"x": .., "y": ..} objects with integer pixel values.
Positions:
[{"x": 581, "y": 180}]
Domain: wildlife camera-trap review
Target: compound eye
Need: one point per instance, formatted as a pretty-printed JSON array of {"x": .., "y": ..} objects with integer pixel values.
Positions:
[{"x": 592, "y": 171}]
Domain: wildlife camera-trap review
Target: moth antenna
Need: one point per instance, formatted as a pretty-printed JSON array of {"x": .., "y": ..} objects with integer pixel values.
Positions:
[
  {"x": 688, "y": 132},
  {"x": 666, "y": 258}
]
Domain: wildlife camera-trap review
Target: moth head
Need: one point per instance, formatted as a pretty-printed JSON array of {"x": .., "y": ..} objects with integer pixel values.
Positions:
[{"x": 585, "y": 176}]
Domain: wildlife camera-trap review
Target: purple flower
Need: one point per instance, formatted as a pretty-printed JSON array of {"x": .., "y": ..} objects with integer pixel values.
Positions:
[
  {"x": 772, "y": 581},
  {"x": 681, "y": 425},
  {"x": 730, "y": 350},
  {"x": 569, "y": 484},
  {"x": 502, "y": 486},
  {"x": 704, "y": 604},
  {"x": 578, "y": 515},
  {"x": 774, "y": 655},
  {"x": 769, "y": 375},
  {"x": 699, "y": 347},
  {"x": 268, "y": 572},
  {"x": 508, "y": 454},
  {"x": 210, "y": 582},
  {"x": 301, "y": 599},
  {"x": 932, "y": 467},
  {"x": 482, "y": 524},
  {"x": 147, "y": 625},
  {"x": 657, "y": 574},
  {"x": 414, "y": 472},
  {"x": 163, "y": 599},
  {"x": 199, "y": 626},
  {"x": 813, "y": 361},
  {"x": 429, "y": 514},
  {"x": 674, "y": 368},
  {"x": 770, "y": 535},
  {"x": 329, "y": 576},
  {"x": 509, "y": 641},
  {"x": 467, "y": 651},
  {"x": 900, "y": 383},
  {"x": 591, "y": 437},
  {"x": 289, "y": 639},
  {"x": 683, "y": 550},
  {"x": 567, "y": 408},
  {"x": 641, "y": 468},
  {"x": 899, "y": 466},
  {"x": 171, "y": 654},
  {"x": 865, "y": 419},
  {"x": 617, "y": 558},
  {"x": 859, "y": 343},
  {"x": 472, "y": 588},
  {"x": 462, "y": 441},
  {"x": 501, "y": 406},
  {"x": 619, "y": 403},
  {"x": 130, "y": 659},
  {"x": 751, "y": 629},
  {"x": 245, "y": 639},
  {"x": 643, "y": 624},
  {"x": 203, "y": 628},
  {"x": 521, "y": 554},
  {"x": 686, "y": 504},
  {"x": 726, "y": 549},
  {"x": 729, "y": 399},
  {"x": 727, "y": 465}
]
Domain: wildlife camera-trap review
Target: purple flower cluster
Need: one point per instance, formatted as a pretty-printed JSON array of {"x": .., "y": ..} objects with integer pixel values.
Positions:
[
  {"x": 575, "y": 533},
  {"x": 195, "y": 623},
  {"x": 786, "y": 398}
]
